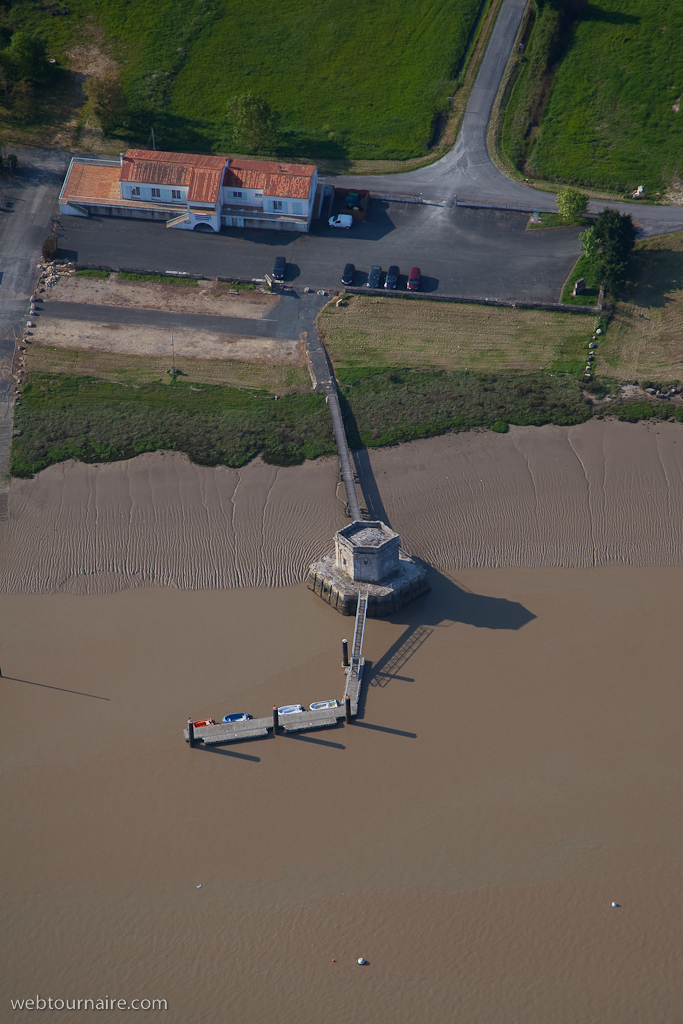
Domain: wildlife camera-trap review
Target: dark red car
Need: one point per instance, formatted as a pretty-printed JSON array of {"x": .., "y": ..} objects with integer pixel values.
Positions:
[{"x": 413, "y": 284}]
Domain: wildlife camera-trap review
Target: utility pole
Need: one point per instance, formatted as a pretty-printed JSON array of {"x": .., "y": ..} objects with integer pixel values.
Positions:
[{"x": 172, "y": 356}]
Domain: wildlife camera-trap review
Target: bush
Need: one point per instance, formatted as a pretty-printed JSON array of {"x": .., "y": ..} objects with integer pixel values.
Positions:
[
  {"x": 50, "y": 248},
  {"x": 571, "y": 204},
  {"x": 635, "y": 412}
]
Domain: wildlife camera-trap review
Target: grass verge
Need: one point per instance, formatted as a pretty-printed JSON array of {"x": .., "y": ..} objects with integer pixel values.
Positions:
[
  {"x": 93, "y": 272},
  {"x": 555, "y": 220},
  {"x": 584, "y": 269},
  {"x": 124, "y": 275}
]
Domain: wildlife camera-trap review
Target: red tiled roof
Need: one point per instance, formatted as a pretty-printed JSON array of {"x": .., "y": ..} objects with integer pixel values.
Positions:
[
  {"x": 291, "y": 181},
  {"x": 88, "y": 181},
  {"x": 201, "y": 174}
]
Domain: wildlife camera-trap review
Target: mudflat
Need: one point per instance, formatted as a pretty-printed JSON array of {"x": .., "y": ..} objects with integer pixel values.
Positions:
[
  {"x": 516, "y": 770},
  {"x": 601, "y": 493}
]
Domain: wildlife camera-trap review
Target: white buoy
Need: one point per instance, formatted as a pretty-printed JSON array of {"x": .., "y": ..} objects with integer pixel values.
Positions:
[
  {"x": 615, "y": 904},
  {"x": 199, "y": 886},
  {"x": 361, "y": 961}
]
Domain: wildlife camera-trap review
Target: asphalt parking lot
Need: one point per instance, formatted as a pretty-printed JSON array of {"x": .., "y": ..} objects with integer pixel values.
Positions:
[{"x": 465, "y": 252}]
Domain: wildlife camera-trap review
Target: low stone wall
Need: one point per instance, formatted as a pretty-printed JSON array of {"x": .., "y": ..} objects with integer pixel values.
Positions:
[{"x": 325, "y": 580}]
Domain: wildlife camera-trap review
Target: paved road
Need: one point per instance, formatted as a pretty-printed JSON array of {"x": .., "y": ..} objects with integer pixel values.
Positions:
[
  {"x": 25, "y": 219},
  {"x": 246, "y": 326},
  {"x": 467, "y": 170},
  {"x": 473, "y": 253},
  {"x": 293, "y": 315}
]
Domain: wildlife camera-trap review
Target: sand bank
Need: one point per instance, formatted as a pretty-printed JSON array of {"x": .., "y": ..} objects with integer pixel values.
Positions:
[
  {"x": 576, "y": 497},
  {"x": 518, "y": 768}
]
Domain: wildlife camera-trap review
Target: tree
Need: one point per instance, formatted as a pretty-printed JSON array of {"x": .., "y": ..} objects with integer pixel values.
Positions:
[
  {"x": 28, "y": 59},
  {"x": 610, "y": 247},
  {"x": 590, "y": 243},
  {"x": 22, "y": 100},
  {"x": 254, "y": 122},
  {"x": 50, "y": 248},
  {"x": 108, "y": 100},
  {"x": 571, "y": 204}
]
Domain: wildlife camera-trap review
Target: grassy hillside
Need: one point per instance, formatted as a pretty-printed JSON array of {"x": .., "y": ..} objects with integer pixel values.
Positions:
[
  {"x": 609, "y": 121},
  {"x": 365, "y": 81}
]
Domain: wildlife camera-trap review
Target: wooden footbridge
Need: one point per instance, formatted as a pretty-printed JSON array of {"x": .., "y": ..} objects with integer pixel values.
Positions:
[{"x": 257, "y": 728}]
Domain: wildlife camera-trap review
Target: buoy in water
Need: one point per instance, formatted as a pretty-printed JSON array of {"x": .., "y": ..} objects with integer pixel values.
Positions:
[
  {"x": 361, "y": 961},
  {"x": 615, "y": 904}
]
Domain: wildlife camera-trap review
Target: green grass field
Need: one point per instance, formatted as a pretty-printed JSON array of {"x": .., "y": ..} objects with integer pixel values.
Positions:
[
  {"x": 609, "y": 121},
  {"x": 360, "y": 82}
]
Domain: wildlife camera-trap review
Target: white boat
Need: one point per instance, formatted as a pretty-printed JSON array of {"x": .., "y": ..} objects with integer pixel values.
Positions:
[
  {"x": 290, "y": 709},
  {"x": 323, "y": 705}
]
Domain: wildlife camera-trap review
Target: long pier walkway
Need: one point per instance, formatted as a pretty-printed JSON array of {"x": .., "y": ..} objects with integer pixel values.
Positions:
[
  {"x": 324, "y": 380},
  {"x": 256, "y": 728},
  {"x": 354, "y": 676},
  {"x": 344, "y": 455}
]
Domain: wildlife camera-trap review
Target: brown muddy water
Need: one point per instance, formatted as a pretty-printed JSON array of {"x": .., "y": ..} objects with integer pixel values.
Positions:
[{"x": 517, "y": 768}]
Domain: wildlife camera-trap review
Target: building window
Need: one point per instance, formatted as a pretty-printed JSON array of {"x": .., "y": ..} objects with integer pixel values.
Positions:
[
  {"x": 296, "y": 207},
  {"x": 277, "y": 205},
  {"x": 156, "y": 193},
  {"x": 237, "y": 195},
  {"x": 135, "y": 190},
  {"x": 258, "y": 195},
  {"x": 175, "y": 193}
]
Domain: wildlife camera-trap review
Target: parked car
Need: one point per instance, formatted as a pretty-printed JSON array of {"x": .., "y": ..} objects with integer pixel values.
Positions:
[
  {"x": 290, "y": 709},
  {"x": 374, "y": 277},
  {"x": 391, "y": 280},
  {"x": 323, "y": 705},
  {"x": 240, "y": 716},
  {"x": 349, "y": 271},
  {"x": 342, "y": 220},
  {"x": 279, "y": 269},
  {"x": 414, "y": 279}
]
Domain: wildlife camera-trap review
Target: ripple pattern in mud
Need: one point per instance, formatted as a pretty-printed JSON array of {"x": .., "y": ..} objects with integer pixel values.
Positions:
[
  {"x": 161, "y": 520},
  {"x": 601, "y": 493},
  {"x": 597, "y": 494}
]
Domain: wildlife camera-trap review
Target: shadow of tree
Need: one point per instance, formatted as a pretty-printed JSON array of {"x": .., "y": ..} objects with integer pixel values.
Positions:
[
  {"x": 658, "y": 274},
  {"x": 591, "y": 12}
]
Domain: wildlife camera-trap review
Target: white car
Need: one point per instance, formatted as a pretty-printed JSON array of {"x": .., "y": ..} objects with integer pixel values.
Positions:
[
  {"x": 323, "y": 705},
  {"x": 342, "y": 220},
  {"x": 290, "y": 709}
]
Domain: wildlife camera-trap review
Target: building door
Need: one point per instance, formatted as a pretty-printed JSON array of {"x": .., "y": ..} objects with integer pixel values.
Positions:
[{"x": 240, "y": 222}]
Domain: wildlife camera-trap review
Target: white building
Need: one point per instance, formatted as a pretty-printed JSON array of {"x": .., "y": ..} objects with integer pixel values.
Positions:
[{"x": 192, "y": 192}]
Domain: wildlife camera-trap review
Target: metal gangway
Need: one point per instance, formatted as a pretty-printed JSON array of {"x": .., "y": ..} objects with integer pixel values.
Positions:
[{"x": 354, "y": 675}]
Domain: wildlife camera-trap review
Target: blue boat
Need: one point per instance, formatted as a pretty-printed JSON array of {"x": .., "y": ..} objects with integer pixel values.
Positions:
[{"x": 241, "y": 716}]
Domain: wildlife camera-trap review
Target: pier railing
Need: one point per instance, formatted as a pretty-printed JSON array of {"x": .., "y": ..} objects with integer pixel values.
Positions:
[{"x": 354, "y": 676}]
